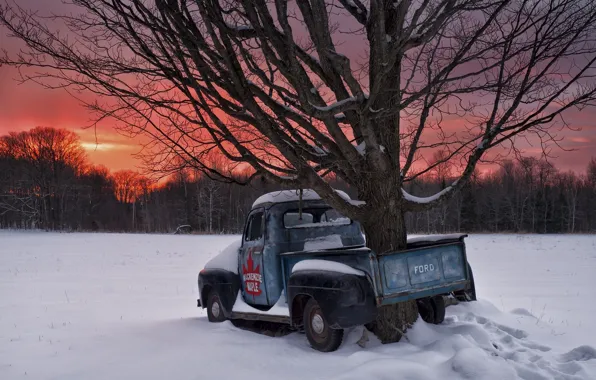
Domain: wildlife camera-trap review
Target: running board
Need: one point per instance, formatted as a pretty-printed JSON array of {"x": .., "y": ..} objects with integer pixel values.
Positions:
[{"x": 261, "y": 317}]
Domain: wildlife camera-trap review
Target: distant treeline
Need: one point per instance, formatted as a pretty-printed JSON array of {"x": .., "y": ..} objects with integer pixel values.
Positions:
[{"x": 47, "y": 183}]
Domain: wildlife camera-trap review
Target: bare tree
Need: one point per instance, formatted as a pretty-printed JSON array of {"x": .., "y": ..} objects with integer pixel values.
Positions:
[
  {"x": 128, "y": 186},
  {"x": 210, "y": 203},
  {"x": 265, "y": 84},
  {"x": 49, "y": 160}
]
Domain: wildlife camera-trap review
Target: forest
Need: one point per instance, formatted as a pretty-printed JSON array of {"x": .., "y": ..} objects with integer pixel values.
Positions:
[{"x": 47, "y": 182}]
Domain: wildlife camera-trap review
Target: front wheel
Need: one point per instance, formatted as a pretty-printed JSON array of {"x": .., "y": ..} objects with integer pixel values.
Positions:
[
  {"x": 215, "y": 311},
  {"x": 320, "y": 336}
]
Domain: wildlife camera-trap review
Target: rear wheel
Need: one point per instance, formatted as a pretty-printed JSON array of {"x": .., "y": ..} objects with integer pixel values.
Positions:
[
  {"x": 432, "y": 309},
  {"x": 215, "y": 311},
  {"x": 320, "y": 336},
  {"x": 426, "y": 310},
  {"x": 438, "y": 305}
]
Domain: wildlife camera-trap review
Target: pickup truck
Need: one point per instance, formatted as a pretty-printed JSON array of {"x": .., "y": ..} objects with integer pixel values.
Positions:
[{"x": 301, "y": 263}]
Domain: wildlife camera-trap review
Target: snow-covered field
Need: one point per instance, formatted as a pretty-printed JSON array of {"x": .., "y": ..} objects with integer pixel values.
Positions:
[{"x": 111, "y": 306}]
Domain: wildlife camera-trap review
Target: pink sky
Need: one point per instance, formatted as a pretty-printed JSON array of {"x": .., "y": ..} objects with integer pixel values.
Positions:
[{"x": 24, "y": 106}]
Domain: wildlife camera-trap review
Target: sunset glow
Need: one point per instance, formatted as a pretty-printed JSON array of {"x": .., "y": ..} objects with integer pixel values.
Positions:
[{"x": 27, "y": 105}]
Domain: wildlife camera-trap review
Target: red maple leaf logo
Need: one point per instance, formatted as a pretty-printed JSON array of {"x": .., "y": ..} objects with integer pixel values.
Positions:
[{"x": 252, "y": 276}]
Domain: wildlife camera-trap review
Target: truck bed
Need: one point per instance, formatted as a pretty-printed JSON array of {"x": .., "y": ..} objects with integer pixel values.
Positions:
[{"x": 431, "y": 265}]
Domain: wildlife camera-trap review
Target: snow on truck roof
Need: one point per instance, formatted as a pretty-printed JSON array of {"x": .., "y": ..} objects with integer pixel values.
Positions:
[
  {"x": 434, "y": 238},
  {"x": 293, "y": 196}
]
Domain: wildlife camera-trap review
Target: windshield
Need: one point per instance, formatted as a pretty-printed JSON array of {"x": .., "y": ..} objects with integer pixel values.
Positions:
[{"x": 314, "y": 217}]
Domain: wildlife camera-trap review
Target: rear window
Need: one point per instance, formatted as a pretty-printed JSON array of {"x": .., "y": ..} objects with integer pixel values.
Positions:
[{"x": 315, "y": 218}]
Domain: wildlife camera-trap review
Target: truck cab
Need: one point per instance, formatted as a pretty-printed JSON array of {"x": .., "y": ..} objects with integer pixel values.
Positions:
[
  {"x": 298, "y": 256},
  {"x": 277, "y": 224}
]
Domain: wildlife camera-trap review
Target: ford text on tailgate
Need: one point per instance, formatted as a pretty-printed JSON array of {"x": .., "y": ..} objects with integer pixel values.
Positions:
[{"x": 441, "y": 267}]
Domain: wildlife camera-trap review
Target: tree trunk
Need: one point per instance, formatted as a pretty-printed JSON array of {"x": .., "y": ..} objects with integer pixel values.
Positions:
[
  {"x": 385, "y": 230},
  {"x": 210, "y": 211}
]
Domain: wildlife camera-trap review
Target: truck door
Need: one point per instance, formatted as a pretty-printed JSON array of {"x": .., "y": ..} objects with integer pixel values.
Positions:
[{"x": 251, "y": 259}]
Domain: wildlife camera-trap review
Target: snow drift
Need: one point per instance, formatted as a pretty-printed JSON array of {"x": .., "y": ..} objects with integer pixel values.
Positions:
[{"x": 114, "y": 306}]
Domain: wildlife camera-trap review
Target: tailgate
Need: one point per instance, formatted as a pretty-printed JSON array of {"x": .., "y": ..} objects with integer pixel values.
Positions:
[{"x": 421, "y": 272}]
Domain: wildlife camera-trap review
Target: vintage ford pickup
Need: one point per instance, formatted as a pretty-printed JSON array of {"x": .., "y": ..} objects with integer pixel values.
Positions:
[{"x": 301, "y": 263}]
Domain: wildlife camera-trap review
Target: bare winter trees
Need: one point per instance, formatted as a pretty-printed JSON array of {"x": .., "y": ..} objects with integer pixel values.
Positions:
[
  {"x": 527, "y": 195},
  {"x": 44, "y": 161},
  {"x": 267, "y": 84}
]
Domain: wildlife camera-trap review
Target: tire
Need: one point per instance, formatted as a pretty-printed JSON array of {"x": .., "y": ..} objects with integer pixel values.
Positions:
[
  {"x": 438, "y": 306},
  {"x": 468, "y": 294},
  {"x": 426, "y": 310},
  {"x": 215, "y": 310},
  {"x": 320, "y": 336}
]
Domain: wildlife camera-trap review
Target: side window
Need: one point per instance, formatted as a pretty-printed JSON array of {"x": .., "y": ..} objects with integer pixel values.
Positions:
[{"x": 254, "y": 229}]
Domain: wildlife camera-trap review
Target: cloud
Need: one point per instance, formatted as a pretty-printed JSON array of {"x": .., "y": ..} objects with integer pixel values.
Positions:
[
  {"x": 580, "y": 140},
  {"x": 104, "y": 147}
]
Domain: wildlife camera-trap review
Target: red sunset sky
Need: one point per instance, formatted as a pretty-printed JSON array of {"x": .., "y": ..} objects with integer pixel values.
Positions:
[{"x": 23, "y": 106}]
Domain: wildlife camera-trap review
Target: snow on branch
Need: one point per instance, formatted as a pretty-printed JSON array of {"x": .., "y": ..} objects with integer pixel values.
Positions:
[
  {"x": 339, "y": 106},
  {"x": 239, "y": 28},
  {"x": 361, "y": 148},
  {"x": 427, "y": 200},
  {"x": 340, "y": 117}
]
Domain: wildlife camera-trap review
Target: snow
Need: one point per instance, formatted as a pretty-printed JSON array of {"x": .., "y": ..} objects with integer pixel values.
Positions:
[
  {"x": 361, "y": 148},
  {"x": 319, "y": 151},
  {"x": 422, "y": 200},
  {"x": 340, "y": 116},
  {"x": 292, "y": 196},
  {"x": 433, "y": 238},
  {"x": 227, "y": 258},
  {"x": 238, "y": 28},
  {"x": 323, "y": 242},
  {"x": 337, "y": 104},
  {"x": 279, "y": 309},
  {"x": 338, "y": 222},
  {"x": 306, "y": 265},
  {"x": 117, "y": 306}
]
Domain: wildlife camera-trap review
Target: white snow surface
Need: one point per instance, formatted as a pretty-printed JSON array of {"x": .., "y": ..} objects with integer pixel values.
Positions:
[
  {"x": 280, "y": 308},
  {"x": 333, "y": 266},
  {"x": 117, "y": 306},
  {"x": 292, "y": 195},
  {"x": 227, "y": 258}
]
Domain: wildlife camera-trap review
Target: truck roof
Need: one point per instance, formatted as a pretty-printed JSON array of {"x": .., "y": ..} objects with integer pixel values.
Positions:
[{"x": 282, "y": 196}]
